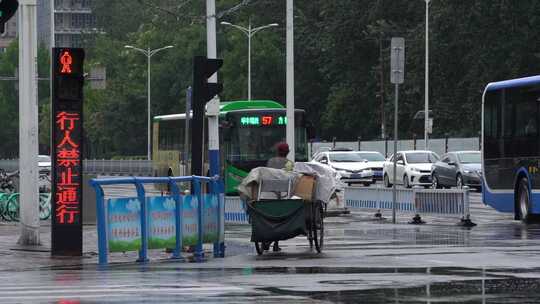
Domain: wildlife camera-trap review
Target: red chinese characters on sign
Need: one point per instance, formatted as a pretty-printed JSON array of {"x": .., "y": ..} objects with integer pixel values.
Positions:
[{"x": 68, "y": 168}]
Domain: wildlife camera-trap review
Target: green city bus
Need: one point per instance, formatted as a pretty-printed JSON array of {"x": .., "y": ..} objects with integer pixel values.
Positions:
[{"x": 248, "y": 134}]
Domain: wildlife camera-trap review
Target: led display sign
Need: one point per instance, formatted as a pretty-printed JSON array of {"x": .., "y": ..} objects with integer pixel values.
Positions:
[
  {"x": 263, "y": 120},
  {"x": 66, "y": 151}
]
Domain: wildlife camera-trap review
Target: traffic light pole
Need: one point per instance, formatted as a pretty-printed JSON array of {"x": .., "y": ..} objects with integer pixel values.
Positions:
[
  {"x": 28, "y": 124},
  {"x": 213, "y": 113}
]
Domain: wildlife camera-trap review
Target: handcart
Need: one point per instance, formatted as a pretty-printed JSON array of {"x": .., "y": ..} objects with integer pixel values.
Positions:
[{"x": 278, "y": 212}]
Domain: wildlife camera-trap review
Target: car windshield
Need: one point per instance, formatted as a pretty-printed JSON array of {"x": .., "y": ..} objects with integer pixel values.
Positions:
[
  {"x": 44, "y": 158},
  {"x": 421, "y": 158},
  {"x": 372, "y": 156},
  {"x": 346, "y": 157},
  {"x": 469, "y": 158}
]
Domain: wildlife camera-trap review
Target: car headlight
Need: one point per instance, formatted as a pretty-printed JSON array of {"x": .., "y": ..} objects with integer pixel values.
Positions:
[
  {"x": 413, "y": 169},
  {"x": 467, "y": 171}
]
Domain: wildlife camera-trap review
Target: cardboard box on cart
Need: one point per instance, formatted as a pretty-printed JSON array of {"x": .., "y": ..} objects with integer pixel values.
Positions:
[{"x": 304, "y": 187}]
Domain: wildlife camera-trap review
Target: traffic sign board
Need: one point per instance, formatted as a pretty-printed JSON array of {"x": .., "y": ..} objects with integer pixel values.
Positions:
[{"x": 397, "y": 60}]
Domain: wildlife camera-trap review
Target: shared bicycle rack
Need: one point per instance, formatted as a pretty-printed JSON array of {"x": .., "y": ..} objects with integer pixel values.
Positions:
[
  {"x": 10, "y": 210},
  {"x": 170, "y": 221}
]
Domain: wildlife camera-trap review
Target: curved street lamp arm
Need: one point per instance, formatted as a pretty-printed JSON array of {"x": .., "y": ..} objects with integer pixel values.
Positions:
[
  {"x": 257, "y": 29},
  {"x": 145, "y": 52},
  {"x": 153, "y": 52},
  {"x": 241, "y": 28}
]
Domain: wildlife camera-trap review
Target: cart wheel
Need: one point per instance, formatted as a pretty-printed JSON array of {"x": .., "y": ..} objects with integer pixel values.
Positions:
[
  {"x": 259, "y": 248},
  {"x": 318, "y": 227}
]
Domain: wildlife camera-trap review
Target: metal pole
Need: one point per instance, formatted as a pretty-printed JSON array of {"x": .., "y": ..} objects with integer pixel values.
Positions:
[
  {"x": 426, "y": 93},
  {"x": 148, "y": 90},
  {"x": 186, "y": 133},
  {"x": 383, "y": 131},
  {"x": 249, "y": 61},
  {"x": 394, "y": 194},
  {"x": 213, "y": 120},
  {"x": 28, "y": 124},
  {"x": 290, "y": 80},
  {"x": 52, "y": 45}
]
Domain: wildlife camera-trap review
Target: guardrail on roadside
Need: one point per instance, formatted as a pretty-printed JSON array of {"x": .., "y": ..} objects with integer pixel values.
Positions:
[
  {"x": 417, "y": 201},
  {"x": 172, "y": 221},
  {"x": 235, "y": 213},
  {"x": 136, "y": 167}
]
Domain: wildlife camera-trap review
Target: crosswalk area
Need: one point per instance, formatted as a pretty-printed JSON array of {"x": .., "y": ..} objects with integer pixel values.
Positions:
[{"x": 126, "y": 286}]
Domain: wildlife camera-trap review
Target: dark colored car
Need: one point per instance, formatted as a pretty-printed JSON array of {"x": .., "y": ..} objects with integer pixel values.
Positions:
[{"x": 458, "y": 169}]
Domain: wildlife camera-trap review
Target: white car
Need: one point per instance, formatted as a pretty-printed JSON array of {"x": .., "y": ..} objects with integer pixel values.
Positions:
[
  {"x": 413, "y": 168},
  {"x": 375, "y": 162},
  {"x": 44, "y": 164},
  {"x": 350, "y": 165}
]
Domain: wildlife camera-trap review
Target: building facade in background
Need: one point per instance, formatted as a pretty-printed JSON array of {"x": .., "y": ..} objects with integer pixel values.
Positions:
[{"x": 72, "y": 20}]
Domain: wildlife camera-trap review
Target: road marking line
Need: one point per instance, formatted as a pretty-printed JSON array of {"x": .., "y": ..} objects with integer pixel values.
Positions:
[{"x": 124, "y": 290}]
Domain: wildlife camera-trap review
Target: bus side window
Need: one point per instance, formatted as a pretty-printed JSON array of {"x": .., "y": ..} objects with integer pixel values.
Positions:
[{"x": 527, "y": 116}]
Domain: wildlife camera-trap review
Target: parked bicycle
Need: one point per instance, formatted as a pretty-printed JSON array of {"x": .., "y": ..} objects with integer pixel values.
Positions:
[
  {"x": 12, "y": 207},
  {"x": 7, "y": 184},
  {"x": 9, "y": 199}
]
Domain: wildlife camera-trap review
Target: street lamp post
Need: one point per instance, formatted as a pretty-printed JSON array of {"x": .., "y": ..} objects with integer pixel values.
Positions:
[
  {"x": 426, "y": 107},
  {"x": 249, "y": 32},
  {"x": 148, "y": 53}
]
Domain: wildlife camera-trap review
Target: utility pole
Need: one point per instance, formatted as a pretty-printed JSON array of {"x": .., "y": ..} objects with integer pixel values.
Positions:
[
  {"x": 383, "y": 131},
  {"x": 290, "y": 80},
  {"x": 28, "y": 124},
  {"x": 426, "y": 92},
  {"x": 213, "y": 116},
  {"x": 397, "y": 72}
]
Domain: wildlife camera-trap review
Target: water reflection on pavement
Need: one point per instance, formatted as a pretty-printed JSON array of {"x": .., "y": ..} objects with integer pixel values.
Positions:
[{"x": 364, "y": 261}]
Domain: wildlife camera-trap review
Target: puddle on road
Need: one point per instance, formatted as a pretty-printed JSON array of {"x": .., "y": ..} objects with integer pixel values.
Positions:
[
  {"x": 352, "y": 284},
  {"x": 495, "y": 286},
  {"x": 477, "y": 291}
]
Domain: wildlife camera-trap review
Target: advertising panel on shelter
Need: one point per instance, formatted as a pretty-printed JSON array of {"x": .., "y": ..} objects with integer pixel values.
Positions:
[{"x": 124, "y": 229}]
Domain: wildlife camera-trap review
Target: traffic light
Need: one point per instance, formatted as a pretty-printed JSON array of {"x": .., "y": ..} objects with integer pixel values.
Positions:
[
  {"x": 68, "y": 74},
  {"x": 203, "y": 91},
  {"x": 203, "y": 68},
  {"x": 67, "y": 146},
  {"x": 7, "y": 10}
]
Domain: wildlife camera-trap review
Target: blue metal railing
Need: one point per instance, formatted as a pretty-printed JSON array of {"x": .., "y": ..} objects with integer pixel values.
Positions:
[{"x": 197, "y": 182}]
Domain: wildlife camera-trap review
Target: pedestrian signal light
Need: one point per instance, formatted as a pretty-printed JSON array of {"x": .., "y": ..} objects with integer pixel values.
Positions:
[
  {"x": 68, "y": 73},
  {"x": 67, "y": 135},
  {"x": 65, "y": 62}
]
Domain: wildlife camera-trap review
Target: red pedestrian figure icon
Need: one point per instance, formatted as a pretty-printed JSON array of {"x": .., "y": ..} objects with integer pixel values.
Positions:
[{"x": 66, "y": 60}]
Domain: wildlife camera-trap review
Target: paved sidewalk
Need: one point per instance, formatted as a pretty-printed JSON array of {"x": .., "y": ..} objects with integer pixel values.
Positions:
[
  {"x": 17, "y": 257},
  {"x": 14, "y": 257}
]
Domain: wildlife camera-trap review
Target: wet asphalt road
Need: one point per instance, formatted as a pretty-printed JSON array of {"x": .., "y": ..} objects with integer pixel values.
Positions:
[{"x": 364, "y": 261}]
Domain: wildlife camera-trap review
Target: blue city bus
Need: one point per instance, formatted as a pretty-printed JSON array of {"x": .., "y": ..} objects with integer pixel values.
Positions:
[{"x": 511, "y": 146}]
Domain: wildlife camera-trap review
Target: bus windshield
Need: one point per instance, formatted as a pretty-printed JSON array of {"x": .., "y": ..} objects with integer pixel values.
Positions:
[
  {"x": 255, "y": 144},
  {"x": 252, "y": 136},
  {"x": 469, "y": 158}
]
